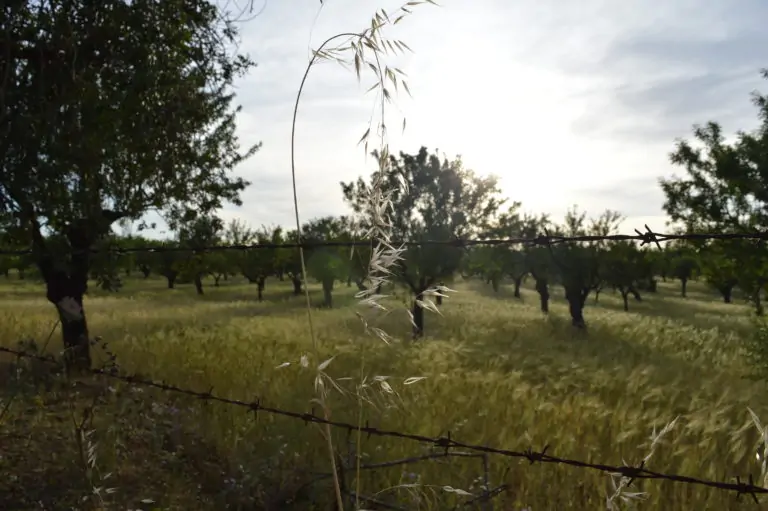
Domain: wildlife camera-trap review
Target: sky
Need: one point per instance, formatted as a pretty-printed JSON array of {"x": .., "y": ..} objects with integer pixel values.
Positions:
[{"x": 569, "y": 103}]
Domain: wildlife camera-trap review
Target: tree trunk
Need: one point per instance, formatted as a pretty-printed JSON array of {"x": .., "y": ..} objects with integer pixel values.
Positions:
[
  {"x": 171, "y": 277},
  {"x": 759, "y": 310},
  {"x": 625, "y": 298},
  {"x": 597, "y": 295},
  {"x": 518, "y": 281},
  {"x": 144, "y": 271},
  {"x": 418, "y": 317},
  {"x": 328, "y": 294},
  {"x": 198, "y": 284},
  {"x": 495, "y": 284},
  {"x": 635, "y": 293},
  {"x": 296, "y": 285},
  {"x": 726, "y": 291},
  {"x": 542, "y": 288},
  {"x": 575, "y": 297},
  {"x": 652, "y": 285},
  {"x": 684, "y": 287},
  {"x": 349, "y": 281},
  {"x": 21, "y": 273},
  {"x": 216, "y": 279},
  {"x": 65, "y": 289},
  {"x": 260, "y": 289}
]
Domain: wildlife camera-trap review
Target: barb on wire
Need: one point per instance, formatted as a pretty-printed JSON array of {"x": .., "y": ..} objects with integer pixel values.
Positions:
[
  {"x": 645, "y": 238},
  {"x": 739, "y": 487}
]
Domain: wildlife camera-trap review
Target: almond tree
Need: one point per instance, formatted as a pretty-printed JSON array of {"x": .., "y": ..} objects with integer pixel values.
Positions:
[
  {"x": 326, "y": 264},
  {"x": 725, "y": 189},
  {"x": 112, "y": 109},
  {"x": 442, "y": 201}
]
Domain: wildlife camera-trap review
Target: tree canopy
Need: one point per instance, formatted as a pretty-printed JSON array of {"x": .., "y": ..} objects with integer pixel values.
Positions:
[{"x": 110, "y": 110}]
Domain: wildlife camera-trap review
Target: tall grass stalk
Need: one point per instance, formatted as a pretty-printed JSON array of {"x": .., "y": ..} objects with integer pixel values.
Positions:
[{"x": 383, "y": 255}]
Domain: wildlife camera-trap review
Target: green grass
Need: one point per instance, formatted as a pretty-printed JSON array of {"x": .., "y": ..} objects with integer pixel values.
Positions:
[{"x": 498, "y": 373}]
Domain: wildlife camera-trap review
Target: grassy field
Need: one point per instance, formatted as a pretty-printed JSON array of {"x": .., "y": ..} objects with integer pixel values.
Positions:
[{"x": 497, "y": 373}]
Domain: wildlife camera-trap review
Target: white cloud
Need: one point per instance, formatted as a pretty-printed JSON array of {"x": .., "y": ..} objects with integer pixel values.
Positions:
[{"x": 564, "y": 101}]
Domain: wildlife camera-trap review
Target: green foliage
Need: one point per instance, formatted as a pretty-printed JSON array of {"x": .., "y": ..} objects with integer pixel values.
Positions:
[
  {"x": 164, "y": 92},
  {"x": 440, "y": 201},
  {"x": 327, "y": 264},
  {"x": 726, "y": 191}
]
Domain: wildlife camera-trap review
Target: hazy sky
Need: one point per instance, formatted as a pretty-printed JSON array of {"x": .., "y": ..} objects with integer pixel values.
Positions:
[{"x": 568, "y": 102}]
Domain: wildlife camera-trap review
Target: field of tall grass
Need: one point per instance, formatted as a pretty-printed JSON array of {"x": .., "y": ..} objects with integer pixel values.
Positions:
[{"x": 496, "y": 372}]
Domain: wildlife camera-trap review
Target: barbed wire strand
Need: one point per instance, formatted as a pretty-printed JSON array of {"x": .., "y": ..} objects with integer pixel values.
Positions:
[
  {"x": 444, "y": 442},
  {"x": 645, "y": 238}
]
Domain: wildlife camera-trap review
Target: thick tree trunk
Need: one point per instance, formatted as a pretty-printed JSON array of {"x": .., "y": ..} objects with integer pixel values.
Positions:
[
  {"x": 542, "y": 287},
  {"x": 726, "y": 291},
  {"x": 635, "y": 293},
  {"x": 652, "y": 285},
  {"x": 625, "y": 298},
  {"x": 757, "y": 302},
  {"x": 576, "y": 297},
  {"x": 171, "y": 278},
  {"x": 145, "y": 270},
  {"x": 296, "y": 285},
  {"x": 260, "y": 289},
  {"x": 65, "y": 289},
  {"x": 216, "y": 279},
  {"x": 328, "y": 294},
  {"x": 198, "y": 284},
  {"x": 684, "y": 287},
  {"x": 518, "y": 281},
  {"x": 495, "y": 284}
]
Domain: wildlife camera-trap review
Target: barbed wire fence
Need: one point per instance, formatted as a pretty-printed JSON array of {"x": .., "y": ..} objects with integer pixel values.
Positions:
[
  {"x": 444, "y": 447},
  {"x": 446, "y": 444},
  {"x": 645, "y": 238}
]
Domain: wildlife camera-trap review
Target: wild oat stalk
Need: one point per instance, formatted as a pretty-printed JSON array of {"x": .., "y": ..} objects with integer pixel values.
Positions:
[{"x": 363, "y": 50}]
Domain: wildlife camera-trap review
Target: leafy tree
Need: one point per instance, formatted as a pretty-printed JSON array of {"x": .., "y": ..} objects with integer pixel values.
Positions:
[
  {"x": 537, "y": 259},
  {"x": 168, "y": 262},
  {"x": 725, "y": 189},
  {"x": 578, "y": 264},
  {"x": 441, "y": 201},
  {"x": 326, "y": 264},
  {"x": 719, "y": 266},
  {"x": 258, "y": 264},
  {"x": 288, "y": 261},
  {"x": 506, "y": 260},
  {"x": 684, "y": 266},
  {"x": 623, "y": 268},
  {"x": 111, "y": 109},
  {"x": 203, "y": 231}
]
